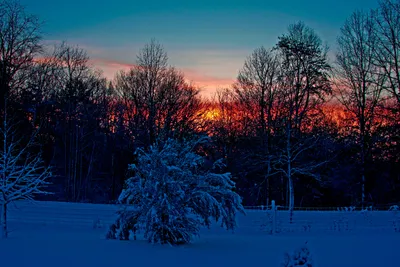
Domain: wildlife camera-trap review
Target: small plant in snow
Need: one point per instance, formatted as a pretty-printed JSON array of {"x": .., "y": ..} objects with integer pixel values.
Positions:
[
  {"x": 347, "y": 209},
  {"x": 172, "y": 195},
  {"x": 394, "y": 208},
  {"x": 300, "y": 257},
  {"x": 367, "y": 209}
]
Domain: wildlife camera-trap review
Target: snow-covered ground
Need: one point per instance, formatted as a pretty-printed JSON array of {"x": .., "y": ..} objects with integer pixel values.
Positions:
[{"x": 62, "y": 234}]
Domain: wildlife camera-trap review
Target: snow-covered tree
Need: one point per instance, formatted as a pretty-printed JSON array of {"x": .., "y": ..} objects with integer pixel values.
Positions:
[
  {"x": 300, "y": 257},
  {"x": 171, "y": 195},
  {"x": 22, "y": 173}
]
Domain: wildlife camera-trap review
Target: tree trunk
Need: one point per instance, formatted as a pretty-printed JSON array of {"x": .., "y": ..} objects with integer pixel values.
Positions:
[
  {"x": 291, "y": 199},
  {"x": 112, "y": 177},
  {"x": 66, "y": 167},
  {"x": 76, "y": 186},
  {"x": 289, "y": 174},
  {"x": 4, "y": 220},
  {"x": 267, "y": 191},
  {"x": 362, "y": 190},
  {"x": 362, "y": 141}
]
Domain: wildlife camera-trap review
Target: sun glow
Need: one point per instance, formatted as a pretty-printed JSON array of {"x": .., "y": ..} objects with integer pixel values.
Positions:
[{"x": 211, "y": 114}]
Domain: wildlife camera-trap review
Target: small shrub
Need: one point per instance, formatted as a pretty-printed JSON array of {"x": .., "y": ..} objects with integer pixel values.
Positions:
[
  {"x": 394, "y": 208},
  {"x": 124, "y": 226},
  {"x": 300, "y": 257},
  {"x": 347, "y": 209}
]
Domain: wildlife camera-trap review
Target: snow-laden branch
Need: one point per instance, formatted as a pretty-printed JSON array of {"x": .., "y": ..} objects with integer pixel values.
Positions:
[{"x": 23, "y": 174}]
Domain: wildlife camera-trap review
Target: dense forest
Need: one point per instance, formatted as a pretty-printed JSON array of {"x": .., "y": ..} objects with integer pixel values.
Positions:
[{"x": 297, "y": 126}]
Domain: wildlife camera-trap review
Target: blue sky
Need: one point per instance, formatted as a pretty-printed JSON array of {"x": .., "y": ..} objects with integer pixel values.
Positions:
[{"x": 208, "y": 40}]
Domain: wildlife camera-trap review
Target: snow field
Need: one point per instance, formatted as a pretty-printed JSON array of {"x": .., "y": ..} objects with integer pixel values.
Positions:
[{"x": 62, "y": 234}]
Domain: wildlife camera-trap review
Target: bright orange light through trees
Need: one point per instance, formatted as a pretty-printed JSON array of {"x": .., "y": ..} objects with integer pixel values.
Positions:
[{"x": 211, "y": 114}]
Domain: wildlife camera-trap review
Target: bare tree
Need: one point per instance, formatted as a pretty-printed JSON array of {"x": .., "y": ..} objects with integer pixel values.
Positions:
[
  {"x": 19, "y": 43},
  {"x": 256, "y": 90},
  {"x": 303, "y": 84},
  {"x": 158, "y": 99},
  {"x": 23, "y": 172},
  {"x": 152, "y": 62},
  {"x": 39, "y": 90},
  {"x": 291, "y": 163},
  {"x": 386, "y": 46},
  {"x": 359, "y": 80},
  {"x": 77, "y": 90},
  {"x": 227, "y": 117},
  {"x": 256, "y": 87}
]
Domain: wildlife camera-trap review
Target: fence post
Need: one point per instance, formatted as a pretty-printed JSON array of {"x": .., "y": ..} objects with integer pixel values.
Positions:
[{"x": 273, "y": 209}]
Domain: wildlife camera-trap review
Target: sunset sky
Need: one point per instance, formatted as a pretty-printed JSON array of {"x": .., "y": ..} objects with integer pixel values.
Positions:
[{"x": 208, "y": 40}]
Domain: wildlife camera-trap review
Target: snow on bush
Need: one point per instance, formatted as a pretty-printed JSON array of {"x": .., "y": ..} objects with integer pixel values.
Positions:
[
  {"x": 171, "y": 195},
  {"x": 300, "y": 257},
  {"x": 394, "y": 208}
]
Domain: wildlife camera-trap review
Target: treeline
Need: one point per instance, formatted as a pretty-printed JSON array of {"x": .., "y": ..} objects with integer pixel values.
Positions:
[{"x": 294, "y": 127}]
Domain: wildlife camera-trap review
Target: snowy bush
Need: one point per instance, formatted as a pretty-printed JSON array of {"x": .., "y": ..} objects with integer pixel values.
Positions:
[
  {"x": 172, "y": 195},
  {"x": 300, "y": 257},
  {"x": 394, "y": 208}
]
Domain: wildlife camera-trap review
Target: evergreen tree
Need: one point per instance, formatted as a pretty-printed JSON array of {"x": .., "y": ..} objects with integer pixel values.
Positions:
[{"x": 172, "y": 194}]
